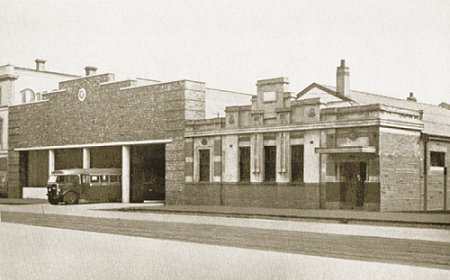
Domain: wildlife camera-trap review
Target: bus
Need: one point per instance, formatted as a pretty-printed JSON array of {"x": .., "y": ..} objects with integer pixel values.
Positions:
[{"x": 68, "y": 186}]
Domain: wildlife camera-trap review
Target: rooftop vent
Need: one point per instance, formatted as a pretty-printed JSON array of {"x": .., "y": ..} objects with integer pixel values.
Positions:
[
  {"x": 40, "y": 64},
  {"x": 411, "y": 97},
  {"x": 90, "y": 70}
]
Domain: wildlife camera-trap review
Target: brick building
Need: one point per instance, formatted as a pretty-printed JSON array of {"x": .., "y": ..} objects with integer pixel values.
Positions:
[
  {"x": 19, "y": 85},
  {"x": 324, "y": 147},
  {"x": 97, "y": 122}
]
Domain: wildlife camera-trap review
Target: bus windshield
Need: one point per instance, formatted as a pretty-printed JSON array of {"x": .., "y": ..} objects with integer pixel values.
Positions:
[{"x": 52, "y": 179}]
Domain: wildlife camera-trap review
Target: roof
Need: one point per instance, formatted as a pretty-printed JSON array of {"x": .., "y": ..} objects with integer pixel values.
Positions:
[
  {"x": 445, "y": 105},
  {"x": 436, "y": 118},
  {"x": 46, "y": 72},
  {"x": 328, "y": 89}
]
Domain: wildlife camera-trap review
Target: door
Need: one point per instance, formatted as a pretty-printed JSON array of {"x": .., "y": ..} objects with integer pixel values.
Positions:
[{"x": 353, "y": 176}]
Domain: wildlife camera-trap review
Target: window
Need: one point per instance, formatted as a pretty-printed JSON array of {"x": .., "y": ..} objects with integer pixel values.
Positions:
[
  {"x": 104, "y": 178},
  {"x": 73, "y": 179},
  {"x": 67, "y": 179},
  {"x": 114, "y": 178},
  {"x": 270, "y": 156},
  {"x": 204, "y": 166},
  {"x": 244, "y": 164},
  {"x": 28, "y": 95},
  {"x": 437, "y": 159},
  {"x": 84, "y": 178},
  {"x": 95, "y": 179},
  {"x": 297, "y": 159},
  {"x": 60, "y": 179}
]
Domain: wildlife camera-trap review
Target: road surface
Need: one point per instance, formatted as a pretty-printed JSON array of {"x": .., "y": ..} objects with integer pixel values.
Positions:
[
  {"x": 375, "y": 249},
  {"x": 31, "y": 252}
]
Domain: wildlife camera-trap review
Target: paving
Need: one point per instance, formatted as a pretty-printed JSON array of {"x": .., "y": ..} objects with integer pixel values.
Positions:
[
  {"x": 411, "y": 218},
  {"x": 262, "y": 218}
]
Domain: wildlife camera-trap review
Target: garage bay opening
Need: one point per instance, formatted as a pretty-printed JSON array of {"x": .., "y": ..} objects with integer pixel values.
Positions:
[{"x": 148, "y": 172}]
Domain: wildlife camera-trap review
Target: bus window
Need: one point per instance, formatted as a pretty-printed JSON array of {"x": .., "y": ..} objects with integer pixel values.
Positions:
[
  {"x": 84, "y": 178},
  {"x": 67, "y": 179},
  {"x": 52, "y": 178},
  {"x": 60, "y": 179},
  {"x": 113, "y": 179},
  {"x": 95, "y": 179},
  {"x": 104, "y": 178},
  {"x": 73, "y": 179}
]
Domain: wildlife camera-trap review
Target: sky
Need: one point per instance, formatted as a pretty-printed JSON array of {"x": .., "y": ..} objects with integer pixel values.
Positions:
[{"x": 391, "y": 47}]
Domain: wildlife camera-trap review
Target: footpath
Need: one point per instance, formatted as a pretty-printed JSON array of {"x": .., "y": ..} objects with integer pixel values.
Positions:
[
  {"x": 418, "y": 219},
  {"x": 402, "y": 225}
]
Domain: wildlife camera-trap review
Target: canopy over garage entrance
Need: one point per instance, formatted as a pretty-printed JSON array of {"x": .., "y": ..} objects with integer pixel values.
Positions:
[{"x": 142, "y": 164}]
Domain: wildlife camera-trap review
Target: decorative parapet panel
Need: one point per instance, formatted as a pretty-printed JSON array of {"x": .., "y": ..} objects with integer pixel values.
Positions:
[
  {"x": 205, "y": 125},
  {"x": 238, "y": 116}
]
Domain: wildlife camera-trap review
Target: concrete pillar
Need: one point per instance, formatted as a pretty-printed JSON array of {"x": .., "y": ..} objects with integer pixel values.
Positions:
[
  {"x": 257, "y": 158},
  {"x": 86, "y": 158},
  {"x": 51, "y": 161},
  {"x": 126, "y": 159},
  {"x": 282, "y": 164}
]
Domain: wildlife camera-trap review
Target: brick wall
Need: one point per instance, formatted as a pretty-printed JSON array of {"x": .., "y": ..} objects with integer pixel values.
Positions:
[
  {"x": 106, "y": 157},
  {"x": 436, "y": 178},
  {"x": 400, "y": 170},
  {"x": 111, "y": 112},
  {"x": 299, "y": 196},
  {"x": 435, "y": 190}
]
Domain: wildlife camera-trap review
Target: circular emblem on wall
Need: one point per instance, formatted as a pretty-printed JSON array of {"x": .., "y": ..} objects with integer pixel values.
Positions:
[
  {"x": 231, "y": 120},
  {"x": 204, "y": 141},
  {"x": 82, "y": 94},
  {"x": 312, "y": 113}
]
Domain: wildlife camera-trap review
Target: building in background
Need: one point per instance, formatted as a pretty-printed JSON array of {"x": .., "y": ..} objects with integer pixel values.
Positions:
[
  {"x": 326, "y": 147},
  {"x": 19, "y": 85}
]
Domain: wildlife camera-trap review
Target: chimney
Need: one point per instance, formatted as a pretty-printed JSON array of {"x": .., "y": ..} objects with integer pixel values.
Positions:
[
  {"x": 411, "y": 97},
  {"x": 342, "y": 79},
  {"x": 90, "y": 70},
  {"x": 40, "y": 64}
]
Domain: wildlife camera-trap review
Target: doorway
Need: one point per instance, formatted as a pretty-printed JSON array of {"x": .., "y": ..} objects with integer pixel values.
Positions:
[
  {"x": 148, "y": 172},
  {"x": 353, "y": 176}
]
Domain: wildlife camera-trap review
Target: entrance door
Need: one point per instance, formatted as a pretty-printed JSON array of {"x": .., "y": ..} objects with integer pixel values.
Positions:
[{"x": 353, "y": 175}]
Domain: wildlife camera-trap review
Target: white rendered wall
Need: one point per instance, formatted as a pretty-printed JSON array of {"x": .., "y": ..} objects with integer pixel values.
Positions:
[
  {"x": 312, "y": 160},
  {"x": 34, "y": 193}
]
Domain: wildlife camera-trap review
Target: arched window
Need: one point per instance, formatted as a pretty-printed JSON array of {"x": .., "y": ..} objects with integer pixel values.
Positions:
[{"x": 28, "y": 95}]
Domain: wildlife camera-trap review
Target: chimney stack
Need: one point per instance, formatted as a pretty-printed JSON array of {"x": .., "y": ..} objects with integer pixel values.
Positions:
[
  {"x": 411, "y": 97},
  {"x": 342, "y": 79},
  {"x": 40, "y": 64},
  {"x": 90, "y": 70}
]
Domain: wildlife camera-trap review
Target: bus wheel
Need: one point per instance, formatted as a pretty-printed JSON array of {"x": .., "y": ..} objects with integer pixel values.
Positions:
[
  {"x": 53, "y": 201},
  {"x": 70, "y": 198}
]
